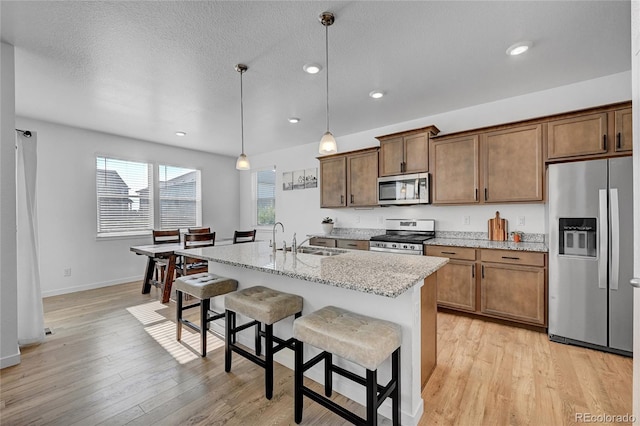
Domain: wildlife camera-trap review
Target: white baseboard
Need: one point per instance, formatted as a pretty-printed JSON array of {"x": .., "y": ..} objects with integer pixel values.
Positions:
[
  {"x": 91, "y": 286},
  {"x": 10, "y": 360}
]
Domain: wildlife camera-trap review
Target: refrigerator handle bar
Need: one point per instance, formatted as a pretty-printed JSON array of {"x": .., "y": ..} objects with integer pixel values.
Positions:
[
  {"x": 635, "y": 282},
  {"x": 604, "y": 240},
  {"x": 615, "y": 238}
]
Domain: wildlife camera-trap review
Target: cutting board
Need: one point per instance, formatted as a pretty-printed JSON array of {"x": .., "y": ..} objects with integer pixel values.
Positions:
[{"x": 497, "y": 228}]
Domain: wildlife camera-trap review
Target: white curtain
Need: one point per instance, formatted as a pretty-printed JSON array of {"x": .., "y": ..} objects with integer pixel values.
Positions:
[{"x": 30, "y": 311}]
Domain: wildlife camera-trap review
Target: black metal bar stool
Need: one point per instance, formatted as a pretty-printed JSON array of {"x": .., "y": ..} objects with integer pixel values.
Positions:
[
  {"x": 358, "y": 338},
  {"x": 264, "y": 306},
  {"x": 202, "y": 286}
]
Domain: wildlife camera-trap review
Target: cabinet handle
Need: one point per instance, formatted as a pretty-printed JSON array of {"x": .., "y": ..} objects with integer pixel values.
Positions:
[
  {"x": 321, "y": 243},
  {"x": 351, "y": 198},
  {"x": 448, "y": 252},
  {"x": 342, "y": 199},
  {"x": 352, "y": 245},
  {"x": 483, "y": 272},
  {"x": 485, "y": 194},
  {"x": 618, "y": 143},
  {"x": 604, "y": 142},
  {"x": 473, "y": 271},
  {"x": 476, "y": 197},
  {"x": 510, "y": 258}
]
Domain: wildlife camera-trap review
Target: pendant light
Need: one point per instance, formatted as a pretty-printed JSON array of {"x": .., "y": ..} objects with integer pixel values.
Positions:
[
  {"x": 328, "y": 143},
  {"x": 243, "y": 162}
]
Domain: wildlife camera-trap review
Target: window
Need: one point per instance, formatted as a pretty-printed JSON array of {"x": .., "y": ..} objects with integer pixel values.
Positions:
[
  {"x": 129, "y": 203},
  {"x": 123, "y": 196},
  {"x": 180, "y": 203},
  {"x": 265, "y": 197}
]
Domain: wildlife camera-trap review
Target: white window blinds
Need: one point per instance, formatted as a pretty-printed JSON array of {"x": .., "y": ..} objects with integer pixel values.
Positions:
[
  {"x": 124, "y": 196},
  {"x": 266, "y": 197},
  {"x": 180, "y": 204}
]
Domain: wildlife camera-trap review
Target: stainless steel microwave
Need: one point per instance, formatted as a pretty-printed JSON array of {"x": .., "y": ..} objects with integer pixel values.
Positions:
[{"x": 404, "y": 189}]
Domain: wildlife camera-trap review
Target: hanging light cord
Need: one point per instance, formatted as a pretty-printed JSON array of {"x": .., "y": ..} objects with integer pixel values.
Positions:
[
  {"x": 241, "y": 114},
  {"x": 326, "y": 51}
]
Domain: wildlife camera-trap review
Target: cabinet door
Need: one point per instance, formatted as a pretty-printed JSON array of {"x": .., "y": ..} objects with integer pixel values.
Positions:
[
  {"x": 391, "y": 156},
  {"x": 333, "y": 182},
  {"x": 513, "y": 292},
  {"x": 624, "y": 137},
  {"x": 324, "y": 242},
  {"x": 353, "y": 244},
  {"x": 416, "y": 153},
  {"x": 512, "y": 165},
  {"x": 577, "y": 136},
  {"x": 454, "y": 168},
  {"x": 362, "y": 170},
  {"x": 457, "y": 285}
]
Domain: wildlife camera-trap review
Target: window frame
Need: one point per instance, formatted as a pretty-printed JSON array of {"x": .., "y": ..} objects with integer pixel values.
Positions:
[{"x": 254, "y": 196}]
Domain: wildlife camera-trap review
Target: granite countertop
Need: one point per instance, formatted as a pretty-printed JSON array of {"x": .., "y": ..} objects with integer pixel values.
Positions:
[
  {"x": 383, "y": 274},
  {"x": 487, "y": 244}
]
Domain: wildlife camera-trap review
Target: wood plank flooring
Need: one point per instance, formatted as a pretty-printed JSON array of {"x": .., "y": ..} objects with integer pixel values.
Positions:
[{"x": 113, "y": 360}]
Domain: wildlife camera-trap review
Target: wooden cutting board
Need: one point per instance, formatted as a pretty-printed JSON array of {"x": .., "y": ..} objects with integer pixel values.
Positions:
[{"x": 497, "y": 228}]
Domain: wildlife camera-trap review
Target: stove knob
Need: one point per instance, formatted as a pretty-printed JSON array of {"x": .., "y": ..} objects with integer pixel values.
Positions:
[
  {"x": 393, "y": 245},
  {"x": 405, "y": 246}
]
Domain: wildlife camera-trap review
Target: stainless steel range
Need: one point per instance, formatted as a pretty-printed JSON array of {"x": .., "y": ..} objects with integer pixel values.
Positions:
[{"x": 404, "y": 236}]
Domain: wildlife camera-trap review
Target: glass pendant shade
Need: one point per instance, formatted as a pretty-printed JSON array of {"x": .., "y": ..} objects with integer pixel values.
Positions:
[
  {"x": 328, "y": 144},
  {"x": 243, "y": 163}
]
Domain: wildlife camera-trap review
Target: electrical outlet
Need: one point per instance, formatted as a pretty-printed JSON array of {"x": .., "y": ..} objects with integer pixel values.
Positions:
[
  {"x": 66, "y": 272},
  {"x": 520, "y": 220},
  {"x": 467, "y": 220},
  {"x": 380, "y": 220},
  {"x": 357, "y": 218}
]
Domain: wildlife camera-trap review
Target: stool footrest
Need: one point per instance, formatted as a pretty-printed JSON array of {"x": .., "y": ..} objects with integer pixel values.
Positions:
[
  {"x": 245, "y": 326},
  {"x": 252, "y": 357},
  {"x": 338, "y": 409}
]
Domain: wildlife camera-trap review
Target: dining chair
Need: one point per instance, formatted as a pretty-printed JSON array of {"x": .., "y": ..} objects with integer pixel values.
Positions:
[
  {"x": 165, "y": 236},
  {"x": 198, "y": 230},
  {"x": 191, "y": 265},
  {"x": 244, "y": 236}
]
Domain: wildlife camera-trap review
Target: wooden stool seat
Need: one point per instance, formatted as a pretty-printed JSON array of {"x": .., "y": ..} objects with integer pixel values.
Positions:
[
  {"x": 363, "y": 340},
  {"x": 264, "y": 306},
  {"x": 202, "y": 286}
]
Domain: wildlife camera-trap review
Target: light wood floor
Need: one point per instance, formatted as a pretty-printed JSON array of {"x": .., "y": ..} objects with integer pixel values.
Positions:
[{"x": 113, "y": 360}]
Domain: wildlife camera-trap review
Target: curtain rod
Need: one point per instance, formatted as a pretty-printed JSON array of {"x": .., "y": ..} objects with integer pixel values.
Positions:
[{"x": 26, "y": 133}]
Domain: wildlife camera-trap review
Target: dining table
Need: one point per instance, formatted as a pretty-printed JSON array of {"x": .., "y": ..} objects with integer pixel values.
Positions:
[{"x": 166, "y": 251}]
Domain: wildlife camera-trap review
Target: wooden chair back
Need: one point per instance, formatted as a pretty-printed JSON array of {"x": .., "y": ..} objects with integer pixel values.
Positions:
[
  {"x": 244, "y": 236},
  {"x": 191, "y": 265},
  {"x": 199, "y": 230},
  {"x": 171, "y": 236}
]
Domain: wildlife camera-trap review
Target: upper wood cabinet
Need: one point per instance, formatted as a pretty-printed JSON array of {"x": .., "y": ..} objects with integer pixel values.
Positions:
[
  {"x": 455, "y": 170},
  {"x": 576, "y": 136},
  {"x": 502, "y": 166},
  {"x": 623, "y": 125},
  {"x": 349, "y": 179},
  {"x": 512, "y": 165},
  {"x": 405, "y": 152}
]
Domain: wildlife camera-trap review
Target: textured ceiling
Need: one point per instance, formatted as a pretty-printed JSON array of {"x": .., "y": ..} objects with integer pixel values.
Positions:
[{"x": 147, "y": 69}]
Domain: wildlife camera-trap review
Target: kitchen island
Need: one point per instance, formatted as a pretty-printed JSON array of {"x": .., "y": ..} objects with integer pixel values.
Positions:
[{"x": 393, "y": 287}]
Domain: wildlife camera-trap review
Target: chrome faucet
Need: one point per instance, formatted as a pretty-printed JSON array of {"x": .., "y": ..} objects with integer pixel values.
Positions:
[
  {"x": 273, "y": 240},
  {"x": 299, "y": 246}
]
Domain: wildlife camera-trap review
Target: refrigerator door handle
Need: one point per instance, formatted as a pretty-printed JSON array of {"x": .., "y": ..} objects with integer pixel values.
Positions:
[
  {"x": 635, "y": 282},
  {"x": 615, "y": 238},
  {"x": 604, "y": 240}
]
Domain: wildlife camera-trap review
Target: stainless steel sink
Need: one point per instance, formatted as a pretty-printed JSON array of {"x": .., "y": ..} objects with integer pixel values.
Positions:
[{"x": 320, "y": 251}]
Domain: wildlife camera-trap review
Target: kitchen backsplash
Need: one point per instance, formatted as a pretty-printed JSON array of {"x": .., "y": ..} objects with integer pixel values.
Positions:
[{"x": 366, "y": 233}]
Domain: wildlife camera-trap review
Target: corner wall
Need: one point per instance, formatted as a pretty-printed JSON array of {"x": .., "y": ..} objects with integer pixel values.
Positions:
[
  {"x": 300, "y": 210},
  {"x": 66, "y": 200},
  {"x": 9, "y": 352}
]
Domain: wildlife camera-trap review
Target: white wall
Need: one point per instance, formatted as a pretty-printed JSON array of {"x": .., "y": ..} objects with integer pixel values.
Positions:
[
  {"x": 67, "y": 204},
  {"x": 9, "y": 352},
  {"x": 300, "y": 211}
]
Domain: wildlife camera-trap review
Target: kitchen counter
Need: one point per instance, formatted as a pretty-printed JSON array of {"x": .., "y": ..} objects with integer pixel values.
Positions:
[
  {"x": 391, "y": 287},
  {"x": 377, "y": 273},
  {"x": 487, "y": 244}
]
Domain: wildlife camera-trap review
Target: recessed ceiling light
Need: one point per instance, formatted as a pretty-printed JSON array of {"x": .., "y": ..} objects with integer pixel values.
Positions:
[
  {"x": 519, "y": 48},
  {"x": 376, "y": 94},
  {"x": 293, "y": 120},
  {"x": 311, "y": 68},
  {"x": 181, "y": 133}
]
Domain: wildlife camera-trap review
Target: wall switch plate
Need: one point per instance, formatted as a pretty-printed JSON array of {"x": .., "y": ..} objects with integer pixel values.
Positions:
[
  {"x": 357, "y": 219},
  {"x": 66, "y": 272},
  {"x": 467, "y": 220},
  {"x": 520, "y": 220}
]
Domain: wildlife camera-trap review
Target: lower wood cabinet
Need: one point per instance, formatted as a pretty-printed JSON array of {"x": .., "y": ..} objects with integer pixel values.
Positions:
[
  {"x": 506, "y": 284},
  {"x": 340, "y": 243},
  {"x": 324, "y": 242}
]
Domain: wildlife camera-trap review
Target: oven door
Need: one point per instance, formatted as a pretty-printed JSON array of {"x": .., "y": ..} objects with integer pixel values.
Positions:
[{"x": 405, "y": 189}]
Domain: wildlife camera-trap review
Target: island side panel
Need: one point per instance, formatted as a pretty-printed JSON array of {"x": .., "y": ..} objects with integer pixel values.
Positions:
[
  {"x": 428, "y": 328},
  {"x": 404, "y": 310}
]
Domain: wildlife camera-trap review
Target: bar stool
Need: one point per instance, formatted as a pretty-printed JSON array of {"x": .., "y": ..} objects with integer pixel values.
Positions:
[
  {"x": 202, "y": 286},
  {"x": 264, "y": 306},
  {"x": 360, "y": 339}
]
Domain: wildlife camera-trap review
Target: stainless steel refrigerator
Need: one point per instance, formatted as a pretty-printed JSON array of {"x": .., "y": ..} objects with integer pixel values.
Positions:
[{"x": 591, "y": 254}]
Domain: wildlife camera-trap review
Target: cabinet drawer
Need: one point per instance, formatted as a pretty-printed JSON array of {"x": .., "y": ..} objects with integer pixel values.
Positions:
[
  {"x": 462, "y": 253},
  {"x": 324, "y": 242},
  {"x": 513, "y": 257},
  {"x": 353, "y": 244}
]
